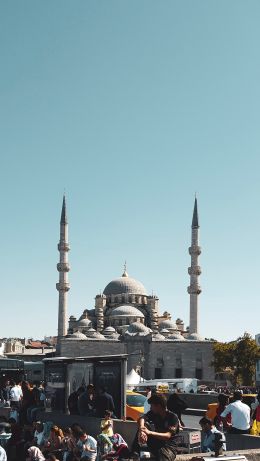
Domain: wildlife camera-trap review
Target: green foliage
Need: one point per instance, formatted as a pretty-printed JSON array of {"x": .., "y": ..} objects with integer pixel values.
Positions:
[{"x": 239, "y": 357}]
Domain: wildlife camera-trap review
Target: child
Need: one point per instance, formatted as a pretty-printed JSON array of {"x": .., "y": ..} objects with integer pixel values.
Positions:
[{"x": 104, "y": 439}]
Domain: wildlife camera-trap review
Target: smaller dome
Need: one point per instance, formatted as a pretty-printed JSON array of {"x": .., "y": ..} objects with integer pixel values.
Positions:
[
  {"x": 195, "y": 337},
  {"x": 93, "y": 334},
  {"x": 176, "y": 337},
  {"x": 138, "y": 328},
  {"x": 168, "y": 324},
  {"x": 127, "y": 311},
  {"x": 179, "y": 322},
  {"x": 84, "y": 323},
  {"x": 158, "y": 337},
  {"x": 109, "y": 330},
  {"x": 77, "y": 335}
]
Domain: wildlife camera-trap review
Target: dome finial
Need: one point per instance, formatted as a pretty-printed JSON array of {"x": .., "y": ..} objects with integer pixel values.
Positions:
[{"x": 125, "y": 274}]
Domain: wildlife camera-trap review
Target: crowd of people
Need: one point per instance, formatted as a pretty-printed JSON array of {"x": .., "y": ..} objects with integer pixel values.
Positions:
[{"x": 23, "y": 437}]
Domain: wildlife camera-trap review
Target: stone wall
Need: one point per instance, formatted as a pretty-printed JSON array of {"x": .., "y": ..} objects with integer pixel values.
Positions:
[
  {"x": 82, "y": 348},
  {"x": 149, "y": 355}
]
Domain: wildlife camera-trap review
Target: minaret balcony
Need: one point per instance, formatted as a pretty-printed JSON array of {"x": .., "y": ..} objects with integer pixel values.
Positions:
[
  {"x": 63, "y": 267},
  {"x": 194, "y": 290},
  {"x": 195, "y": 250},
  {"x": 63, "y": 246},
  {"x": 62, "y": 286},
  {"x": 194, "y": 270}
]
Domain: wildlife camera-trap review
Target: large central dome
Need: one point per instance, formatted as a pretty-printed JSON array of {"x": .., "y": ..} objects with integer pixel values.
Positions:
[{"x": 124, "y": 285}]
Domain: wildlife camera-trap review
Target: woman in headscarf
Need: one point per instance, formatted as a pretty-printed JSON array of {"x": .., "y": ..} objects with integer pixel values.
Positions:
[{"x": 35, "y": 454}]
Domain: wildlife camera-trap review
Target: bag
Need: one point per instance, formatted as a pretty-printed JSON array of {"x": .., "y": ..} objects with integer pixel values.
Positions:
[{"x": 255, "y": 429}]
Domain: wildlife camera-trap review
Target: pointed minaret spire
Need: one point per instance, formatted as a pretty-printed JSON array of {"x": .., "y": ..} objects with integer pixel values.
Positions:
[
  {"x": 194, "y": 270},
  {"x": 195, "y": 218},
  {"x": 125, "y": 274},
  {"x": 63, "y": 218},
  {"x": 63, "y": 269}
]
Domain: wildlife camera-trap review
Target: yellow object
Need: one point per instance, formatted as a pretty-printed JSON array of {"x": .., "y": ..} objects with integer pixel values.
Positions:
[
  {"x": 134, "y": 405},
  {"x": 212, "y": 407},
  {"x": 255, "y": 429},
  {"x": 109, "y": 430}
]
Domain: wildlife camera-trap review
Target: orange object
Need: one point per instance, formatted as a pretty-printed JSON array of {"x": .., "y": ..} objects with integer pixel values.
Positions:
[{"x": 134, "y": 405}]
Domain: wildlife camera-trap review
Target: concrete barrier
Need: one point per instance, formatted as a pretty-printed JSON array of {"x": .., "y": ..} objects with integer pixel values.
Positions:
[
  {"x": 92, "y": 425},
  {"x": 251, "y": 455},
  {"x": 242, "y": 442},
  {"x": 128, "y": 430}
]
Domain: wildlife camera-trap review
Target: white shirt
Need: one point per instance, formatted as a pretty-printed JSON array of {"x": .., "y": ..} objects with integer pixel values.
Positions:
[
  {"x": 240, "y": 415},
  {"x": 15, "y": 394},
  {"x": 39, "y": 436},
  {"x": 91, "y": 443},
  {"x": 3, "y": 456}
]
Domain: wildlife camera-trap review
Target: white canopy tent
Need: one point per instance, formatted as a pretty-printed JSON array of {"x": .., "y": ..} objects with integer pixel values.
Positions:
[{"x": 133, "y": 378}]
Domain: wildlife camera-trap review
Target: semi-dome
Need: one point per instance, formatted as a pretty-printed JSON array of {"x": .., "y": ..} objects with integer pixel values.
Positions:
[
  {"x": 125, "y": 285},
  {"x": 126, "y": 311},
  {"x": 168, "y": 324}
]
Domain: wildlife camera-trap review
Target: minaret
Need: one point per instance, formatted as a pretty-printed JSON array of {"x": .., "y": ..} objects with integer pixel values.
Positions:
[
  {"x": 63, "y": 268},
  {"x": 194, "y": 271}
]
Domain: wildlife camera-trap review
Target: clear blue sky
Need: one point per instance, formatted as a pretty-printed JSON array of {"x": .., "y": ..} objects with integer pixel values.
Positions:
[{"x": 131, "y": 106}]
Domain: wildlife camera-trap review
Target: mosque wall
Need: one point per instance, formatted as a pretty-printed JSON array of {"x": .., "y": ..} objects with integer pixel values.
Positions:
[
  {"x": 81, "y": 348},
  {"x": 158, "y": 359}
]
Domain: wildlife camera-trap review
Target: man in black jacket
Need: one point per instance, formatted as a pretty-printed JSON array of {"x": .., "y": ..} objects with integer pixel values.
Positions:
[{"x": 104, "y": 402}]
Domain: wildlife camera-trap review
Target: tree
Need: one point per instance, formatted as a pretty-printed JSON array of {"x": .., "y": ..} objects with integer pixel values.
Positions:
[{"x": 239, "y": 357}]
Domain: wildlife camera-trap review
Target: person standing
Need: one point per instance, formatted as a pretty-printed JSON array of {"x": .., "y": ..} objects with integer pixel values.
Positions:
[
  {"x": 177, "y": 405},
  {"x": 104, "y": 402},
  {"x": 86, "y": 401},
  {"x": 240, "y": 415},
  {"x": 15, "y": 395}
]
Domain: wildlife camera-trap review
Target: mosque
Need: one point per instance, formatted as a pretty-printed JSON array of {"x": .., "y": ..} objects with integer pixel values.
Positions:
[{"x": 126, "y": 319}]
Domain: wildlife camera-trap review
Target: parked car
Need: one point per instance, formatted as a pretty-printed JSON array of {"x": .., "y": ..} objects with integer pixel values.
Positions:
[{"x": 134, "y": 405}]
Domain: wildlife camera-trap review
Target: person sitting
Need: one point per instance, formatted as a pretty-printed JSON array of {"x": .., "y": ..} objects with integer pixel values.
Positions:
[
  {"x": 35, "y": 454},
  {"x": 3, "y": 456},
  {"x": 39, "y": 434},
  {"x": 106, "y": 426},
  {"x": 54, "y": 442},
  {"x": 5, "y": 433},
  {"x": 119, "y": 449},
  {"x": 87, "y": 447},
  {"x": 223, "y": 401},
  {"x": 157, "y": 430},
  {"x": 51, "y": 457},
  {"x": 240, "y": 415},
  {"x": 214, "y": 440},
  {"x": 68, "y": 444},
  {"x": 15, "y": 443}
]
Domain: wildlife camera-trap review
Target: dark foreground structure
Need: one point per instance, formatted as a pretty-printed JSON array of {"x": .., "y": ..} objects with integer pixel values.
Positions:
[{"x": 64, "y": 375}]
